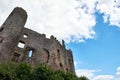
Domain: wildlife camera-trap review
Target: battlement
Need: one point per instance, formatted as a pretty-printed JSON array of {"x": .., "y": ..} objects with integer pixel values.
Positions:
[{"x": 21, "y": 44}]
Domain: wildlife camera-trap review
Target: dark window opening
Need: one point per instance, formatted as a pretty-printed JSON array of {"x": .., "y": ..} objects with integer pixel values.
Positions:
[
  {"x": 1, "y": 29},
  {"x": 16, "y": 54},
  {"x": 58, "y": 53},
  {"x": 21, "y": 44},
  {"x": 69, "y": 60},
  {"x": 16, "y": 57},
  {"x": 30, "y": 53},
  {"x": 25, "y": 35},
  {"x": 61, "y": 65},
  {"x": 58, "y": 50},
  {"x": 66, "y": 69}
]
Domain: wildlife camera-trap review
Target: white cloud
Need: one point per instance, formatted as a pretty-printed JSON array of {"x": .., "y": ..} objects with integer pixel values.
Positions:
[
  {"x": 111, "y": 10},
  {"x": 71, "y": 20},
  {"x": 104, "y": 77},
  {"x": 118, "y": 73},
  {"x": 75, "y": 63},
  {"x": 91, "y": 74},
  {"x": 61, "y": 18},
  {"x": 85, "y": 72}
]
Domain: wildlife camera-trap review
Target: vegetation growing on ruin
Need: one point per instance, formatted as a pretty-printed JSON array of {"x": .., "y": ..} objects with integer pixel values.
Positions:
[{"x": 25, "y": 71}]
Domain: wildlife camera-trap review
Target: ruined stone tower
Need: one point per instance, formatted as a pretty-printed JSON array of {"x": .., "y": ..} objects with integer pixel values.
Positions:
[{"x": 20, "y": 44}]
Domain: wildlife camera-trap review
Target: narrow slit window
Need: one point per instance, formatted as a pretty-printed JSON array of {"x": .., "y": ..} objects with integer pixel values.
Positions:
[
  {"x": 25, "y": 35},
  {"x": 30, "y": 53},
  {"x": 21, "y": 44}
]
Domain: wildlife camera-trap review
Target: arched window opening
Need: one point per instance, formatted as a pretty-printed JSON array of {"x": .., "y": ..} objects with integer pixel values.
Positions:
[{"x": 30, "y": 53}]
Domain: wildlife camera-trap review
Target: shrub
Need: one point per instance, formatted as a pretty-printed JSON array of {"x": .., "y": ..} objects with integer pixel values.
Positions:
[
  {"x": 83, "y": 78},
  {"x": 24, "y": 71},
  {"x": 42, "y": 72}
]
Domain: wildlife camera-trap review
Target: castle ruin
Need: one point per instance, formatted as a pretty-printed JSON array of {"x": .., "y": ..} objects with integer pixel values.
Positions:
[{"x": 21, "y": 44}]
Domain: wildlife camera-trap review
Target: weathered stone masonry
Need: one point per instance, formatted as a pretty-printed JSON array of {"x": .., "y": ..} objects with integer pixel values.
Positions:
[{"x": 20, "y": 44}]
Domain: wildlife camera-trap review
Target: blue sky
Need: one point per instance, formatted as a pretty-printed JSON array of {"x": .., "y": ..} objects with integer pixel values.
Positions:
[
  {"x": 90, "y": 28},
  {"x": 101, "y": 53}
]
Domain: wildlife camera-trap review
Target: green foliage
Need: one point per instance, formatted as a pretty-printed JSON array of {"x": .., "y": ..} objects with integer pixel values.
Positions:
[
  {"x": 24, "y": 71},
  {"x": 57, "y": 75},
  {"x": 42, "y": 72},
  {"x": 83, "y": 78},
  {"x": 69, "y": 76},
  {"x": 6, "y": 71}
]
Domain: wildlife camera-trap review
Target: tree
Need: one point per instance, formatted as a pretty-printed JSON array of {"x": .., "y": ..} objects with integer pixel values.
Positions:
[
  {"x": 24, "y": 71},
  {"x": 83, "y": 78},
  {"x": 42, "y": 72}
]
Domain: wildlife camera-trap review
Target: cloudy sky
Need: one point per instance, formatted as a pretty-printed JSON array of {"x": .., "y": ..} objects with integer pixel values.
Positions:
[{"x": 91, "y": 28}]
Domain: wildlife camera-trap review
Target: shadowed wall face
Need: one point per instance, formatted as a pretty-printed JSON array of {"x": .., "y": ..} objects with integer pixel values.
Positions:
[{"x": 20, "y": 44}]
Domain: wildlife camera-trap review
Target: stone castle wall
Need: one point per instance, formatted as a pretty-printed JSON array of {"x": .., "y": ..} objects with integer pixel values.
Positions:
[{"x": 20, "y": 44}]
